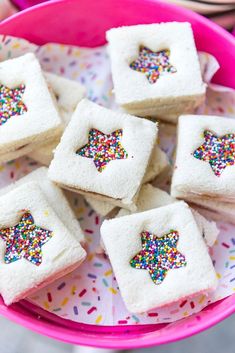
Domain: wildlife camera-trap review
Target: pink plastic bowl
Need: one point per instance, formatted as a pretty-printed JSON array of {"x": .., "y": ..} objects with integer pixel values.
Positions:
[{"x": 84, "y": 23}]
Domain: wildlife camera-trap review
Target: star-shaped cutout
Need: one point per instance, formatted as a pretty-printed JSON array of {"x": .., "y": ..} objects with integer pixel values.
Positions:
[
  {"x": 24, "y": 240},
  {"x": 219, "y": 152},
  {"x": 158, "y": 255},
  {"x": 103, "y": 148},
  {"x": 11, "y": 102},
  {"x": 153, "y": 64}
]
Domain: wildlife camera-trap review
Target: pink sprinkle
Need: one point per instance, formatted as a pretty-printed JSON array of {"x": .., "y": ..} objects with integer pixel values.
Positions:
[
  {"x": 225, "y": 245},
  {"x": 81, "y": 294},
  {"x": 62, "y": 70},
  {"x": 183, "y": 303},
  {"x": 61, "y": 286},
  {"x": 69, "y": 52},
  {"x": 12, "y": 174},
  {"x": 91, "y": 310},
  {"x": 152, "y": 314},
  {"x": 192, "y": 305},
  {"x": 90, "y": 231},
  {"x": 49, "y": 297},
  {"x": 122, "y": 322}
]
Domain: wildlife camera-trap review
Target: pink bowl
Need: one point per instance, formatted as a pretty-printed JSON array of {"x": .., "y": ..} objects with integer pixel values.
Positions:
[{"x": 84, "y": 23}]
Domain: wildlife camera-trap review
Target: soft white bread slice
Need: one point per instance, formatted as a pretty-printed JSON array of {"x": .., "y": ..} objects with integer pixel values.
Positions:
[
  {"x": 153, "y": 272},
  {"x": 28, "y": 114},
  {"x": 173, "y": 93},
  {"x": 117, "y": 174},
  {"x": 36, "y": 248}
]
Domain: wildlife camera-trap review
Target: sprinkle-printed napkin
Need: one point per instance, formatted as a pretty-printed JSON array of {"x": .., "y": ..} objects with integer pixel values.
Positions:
[{"x": 90, "y": 294}]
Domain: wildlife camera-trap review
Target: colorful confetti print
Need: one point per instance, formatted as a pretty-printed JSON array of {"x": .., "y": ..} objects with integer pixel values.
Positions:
[
  {"x": 103, "y": 148},
  {"x": 11, "y": 103},
  {"x": 25, "y": 240},
  {"x": 158, "y": 255},
  {"x": 93, "y": 284},
  {"x": 219, "y": 152},
  {"x": 153, "y": 64}
]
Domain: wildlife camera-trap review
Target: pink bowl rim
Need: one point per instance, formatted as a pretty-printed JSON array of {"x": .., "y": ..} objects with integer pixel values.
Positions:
[{"x": 48, "y": 328}]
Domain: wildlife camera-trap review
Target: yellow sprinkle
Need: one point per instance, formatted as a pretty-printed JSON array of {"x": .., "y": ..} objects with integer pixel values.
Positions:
[
  {"x": 202, "y": 299},
  {"x": 90, "y": 257},
  {"x": 46, "y": 305},
  {"x": 231, "y": 257},
  {"x": 113, "y": 291},
  {"x": 65, "y": 301},
  {"x": 17, "y": 165},
  {"x": 46, "y": 213},
  {"x": 98, "y": 319},
  {"x": 16, "y": 45},
  {"x": 108, "y": 273},
  {"x": 218, "y": 275},
  {"x": 234, "y": 289},
  {"x": 77, "y": 52},
  {"x": 1, "y": 168},
  {"x": 73, "y": 290},
  {"x": 230, "y": 110},
  {"x": 185, "y": 313}
]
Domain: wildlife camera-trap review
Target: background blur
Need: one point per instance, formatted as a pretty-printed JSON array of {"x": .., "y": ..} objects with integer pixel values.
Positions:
[{"x": 16, "y": 339}]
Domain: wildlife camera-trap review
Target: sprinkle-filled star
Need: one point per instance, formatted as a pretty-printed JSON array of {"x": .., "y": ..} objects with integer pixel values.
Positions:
[
  {"x": 25, "y": 240},
  {"x": 158, "y": 255},
  {"x": 219, "y": 152},
  {"x": 103, "y": 148},
  {"x": 11, "y": 102},
  {"x": 153, "y": 64}
]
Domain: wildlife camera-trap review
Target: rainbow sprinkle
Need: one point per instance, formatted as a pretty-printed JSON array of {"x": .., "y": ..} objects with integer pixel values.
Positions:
[
  {"x": 158, "y": 255},
  {"x": 11, "y": 102},
  {"x": 103, "y": 148},
  {"x": 219, "y": 152},
  {"x": 153, "y": 64},
  {"x": 25, "y": 240}
]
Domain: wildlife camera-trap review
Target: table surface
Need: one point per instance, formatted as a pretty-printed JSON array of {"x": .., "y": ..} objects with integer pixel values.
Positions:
[{"x": 17, "y": 339}]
